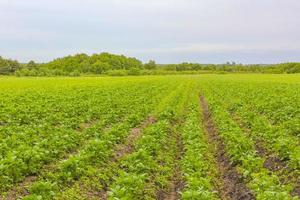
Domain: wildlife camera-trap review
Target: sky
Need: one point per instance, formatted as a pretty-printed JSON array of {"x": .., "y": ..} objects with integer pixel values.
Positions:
[{"x": 168, "y": 31}]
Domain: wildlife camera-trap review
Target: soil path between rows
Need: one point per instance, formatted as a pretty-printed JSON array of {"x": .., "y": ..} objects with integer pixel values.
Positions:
[
  {"x": 127, "y": 147},
  {"x": 230, "y": 185},
  {"x": 176, "y": 183},
  {"x": 121, "y": 150}
]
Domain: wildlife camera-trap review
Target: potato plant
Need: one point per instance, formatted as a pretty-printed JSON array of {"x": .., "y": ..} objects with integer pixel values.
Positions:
[{"x": 150, "y": 137}]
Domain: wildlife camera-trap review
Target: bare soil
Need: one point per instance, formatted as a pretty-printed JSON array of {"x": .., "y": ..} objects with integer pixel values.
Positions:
[
  {"x": 123, "y": 149},
  {"x": 126, "y": 148},
  {"x": 230, "y": 185},
  {"x": 21, "y": 189},
  {"x": 177, "y": 182}
]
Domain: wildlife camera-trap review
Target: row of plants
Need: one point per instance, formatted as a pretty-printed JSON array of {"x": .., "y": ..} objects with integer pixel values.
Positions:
[
  {"x": 277, "y": 141},
  {"x": 94, "y": 155},
  {"x": 278, "y": 102},
  {"x": 242, "y": 152},
  {"x": 63, "y": 103},
  {"x": 276, "y": 137},
  {"x": 197, "y": 163},
  {"x": 147, "y": 172},
  {"x": 141, "y": 173},
  {"x": 98, "y": 182},
  {"x": 64, "y": 132},
  {"x": 24, "y": 154}
]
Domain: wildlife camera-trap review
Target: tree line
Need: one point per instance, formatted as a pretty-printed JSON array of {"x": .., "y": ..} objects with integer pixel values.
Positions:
[
  {"x": 236, "y": 68},
  {"x": 8, "y": 66},
  {"x": 111, "y": 64}
]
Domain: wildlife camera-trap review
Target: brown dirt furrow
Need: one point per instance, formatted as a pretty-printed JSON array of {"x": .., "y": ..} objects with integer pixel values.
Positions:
[
  {"x": 230, "y": 185},
  {"x": 272, "y": 162},
  {"x": 2, "y": 124},
  {"x": 296, "y": 190},
  {"x": 21, "y": 189},
  {"x": 122, "y": 149},
  {"x": 176, "y": 183}
]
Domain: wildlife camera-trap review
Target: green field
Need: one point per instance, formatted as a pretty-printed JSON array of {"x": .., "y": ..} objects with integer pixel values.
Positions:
[{"x": 230, "y": 136}]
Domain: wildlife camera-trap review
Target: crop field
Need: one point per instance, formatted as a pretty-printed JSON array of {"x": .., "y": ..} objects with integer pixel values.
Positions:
[{"x": 193, "y": 137}]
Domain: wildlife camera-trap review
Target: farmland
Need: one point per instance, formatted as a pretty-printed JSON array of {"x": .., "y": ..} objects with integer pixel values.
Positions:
[{"x": 229, "y": 136}]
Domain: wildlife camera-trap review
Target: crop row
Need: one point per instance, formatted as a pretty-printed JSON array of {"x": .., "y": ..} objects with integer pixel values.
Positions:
[
  {"x": 120, "y": 176},
  {"x": 243, "y": 154},
  {"x": 197, "y": 163},
  {"x": 276, "y": 139},
  {"x": 147, "y": 172},
  {"x": 42, "y": 149},
  {"x": 86, "y": 162},
  {"x": 147, "y": 138}
]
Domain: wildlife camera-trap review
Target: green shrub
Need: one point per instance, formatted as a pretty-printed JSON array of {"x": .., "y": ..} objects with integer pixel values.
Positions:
[{"x": 117, "y": 73}]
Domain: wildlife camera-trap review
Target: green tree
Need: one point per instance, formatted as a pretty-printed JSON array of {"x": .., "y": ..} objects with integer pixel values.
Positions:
[
  {"x": 150, "y": 65},
  {"x": 100, "y": 67},
  {"x": 31, "y": 65},
  {"x": 8, "y": 66}
]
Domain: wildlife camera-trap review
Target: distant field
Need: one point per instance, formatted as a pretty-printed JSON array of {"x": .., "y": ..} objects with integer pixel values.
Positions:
[{"x": 231, "y": 136}]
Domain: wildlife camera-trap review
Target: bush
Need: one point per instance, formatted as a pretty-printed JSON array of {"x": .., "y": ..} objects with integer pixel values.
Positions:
[
  {"x": 134, "y": 72},
  {"x": 75, "y": 73},
  {"x": 117, "y": 73}
]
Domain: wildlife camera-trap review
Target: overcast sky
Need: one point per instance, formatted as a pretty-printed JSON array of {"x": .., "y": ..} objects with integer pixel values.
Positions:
[{"x": 168, "y": 31}]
